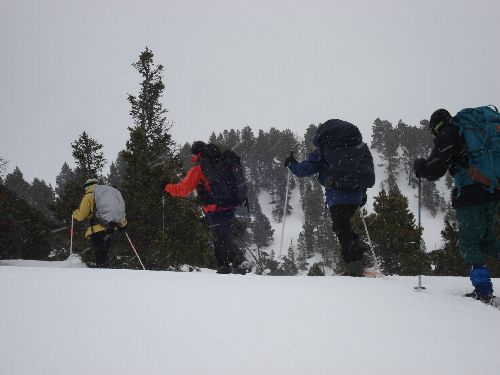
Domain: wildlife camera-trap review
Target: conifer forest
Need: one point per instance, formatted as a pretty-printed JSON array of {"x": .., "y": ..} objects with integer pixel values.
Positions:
[{"x": 172, "y": 234}]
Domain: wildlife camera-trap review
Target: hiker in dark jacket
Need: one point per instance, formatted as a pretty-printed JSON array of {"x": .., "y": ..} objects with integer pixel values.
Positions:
[
  {"x": 220, "y": 219},
  {"x": 342, "y": 202},
  {"x": 475, "y": 205}
]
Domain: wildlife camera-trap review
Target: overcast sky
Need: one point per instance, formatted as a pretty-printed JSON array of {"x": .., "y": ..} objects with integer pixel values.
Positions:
[{"x": 65, "y": 67}]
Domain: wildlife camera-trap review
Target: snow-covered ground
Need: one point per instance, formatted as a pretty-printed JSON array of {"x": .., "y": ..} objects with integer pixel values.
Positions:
[{"x": 88, "y": 321}]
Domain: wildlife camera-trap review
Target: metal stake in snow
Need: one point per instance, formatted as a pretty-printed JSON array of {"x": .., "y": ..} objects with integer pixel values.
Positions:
[
  {"x": 135, "y": 251},
  {"x": 71, "y": 242},
  {"x": 286, "y": 205},
  {"x": 419, "y": 287}
]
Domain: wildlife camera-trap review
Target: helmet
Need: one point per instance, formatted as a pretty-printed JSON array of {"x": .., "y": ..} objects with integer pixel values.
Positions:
[
  {"x": 438, "y": 119},
  {"x": 90, "y": 182}
]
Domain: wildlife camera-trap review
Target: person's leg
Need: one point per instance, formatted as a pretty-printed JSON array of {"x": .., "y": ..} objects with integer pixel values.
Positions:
[
  {"x": 101, "y": 243},
  {"x": 490, "y": 245},
  {"x": 351, "y": 251},
  {"x": 220, "y": 227},
  {"x": 472, "y": 229}
]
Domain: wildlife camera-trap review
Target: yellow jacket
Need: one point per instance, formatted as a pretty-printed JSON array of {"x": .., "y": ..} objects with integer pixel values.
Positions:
[{"x": 86, "y": 210}]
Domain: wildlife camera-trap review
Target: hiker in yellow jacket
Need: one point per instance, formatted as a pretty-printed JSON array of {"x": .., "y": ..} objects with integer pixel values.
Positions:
[{"x": 101, "y": 238}]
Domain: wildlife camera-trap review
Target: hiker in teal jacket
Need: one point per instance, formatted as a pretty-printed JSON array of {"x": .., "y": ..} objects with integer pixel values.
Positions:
[{"x": 475, "y": 205}]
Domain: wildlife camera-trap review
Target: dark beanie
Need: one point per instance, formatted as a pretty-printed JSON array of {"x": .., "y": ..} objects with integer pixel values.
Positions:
[
  {"x": 441, "y": 115},
  {"x": 197, "y": 147}
]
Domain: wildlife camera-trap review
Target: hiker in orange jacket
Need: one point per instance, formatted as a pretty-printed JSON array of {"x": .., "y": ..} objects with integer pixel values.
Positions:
[{"x": 220, "y": 218}]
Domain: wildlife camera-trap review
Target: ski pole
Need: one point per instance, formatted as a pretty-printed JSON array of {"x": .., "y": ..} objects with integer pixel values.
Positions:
[
  {"x": 71, "y": 242},
  {"x": 250, "y": 251},
  {"x": 163, "y": 221},
  {"x": 135, "y": 251},
  {"x": 375, "y": 259},
  {"x": 419, "y": 287},
  {"x": 286, "y": 205}
]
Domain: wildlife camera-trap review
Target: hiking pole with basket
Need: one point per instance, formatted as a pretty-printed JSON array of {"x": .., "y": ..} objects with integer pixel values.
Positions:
[
  {"x": 286, "y": 205},
  {"x": 420, "y": 287},
  {"x": 163, "y": 222},
  {"x": 135, "y": 251},
  {"x": 71, "y": 241}
]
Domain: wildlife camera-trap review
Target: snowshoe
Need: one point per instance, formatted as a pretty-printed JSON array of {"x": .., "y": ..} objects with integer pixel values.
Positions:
[
  {"x": 372, "y": 272},
  {"x": 485, "y": 298},
  {"x": 361, "y": 268}
]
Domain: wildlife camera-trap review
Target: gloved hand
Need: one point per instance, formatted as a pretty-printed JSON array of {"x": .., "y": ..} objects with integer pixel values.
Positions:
[
  {"x": 289, "y": 159},
  {"x": 164, "y": 183},
  {"x": 419, "y": 166}
]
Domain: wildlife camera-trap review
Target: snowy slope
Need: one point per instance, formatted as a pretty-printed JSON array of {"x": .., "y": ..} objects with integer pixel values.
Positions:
[{"x": 87, "y": 321}]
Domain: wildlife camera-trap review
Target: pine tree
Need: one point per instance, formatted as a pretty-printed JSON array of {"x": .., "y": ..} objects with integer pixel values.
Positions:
[
  {"x": 289, "y": 266},
  {"x": 185, "y": 156},
  {"x": 117, "y": 172},
  {"x": 63, "y": 178},
  {"x": 316, "y": 270},
  {"x": 400, "y": 253},
  {"x": 16, "y": 183},
  {"x": 88, "y": 157},
  {"x": 3, "y": 167},
  {"x": 385, "y": 140},
  {"x": 25, "y": 231},
  {"x": 68, "y": 193},
  {"x": 150, "y": 158},
  {"x": 261, "y": 229},
  {"x": 42, "y": 197},
  {"x": 431, "y": 199},
  {"x": 447, "y": 261}
]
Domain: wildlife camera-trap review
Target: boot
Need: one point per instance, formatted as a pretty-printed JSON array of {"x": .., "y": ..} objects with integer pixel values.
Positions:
[
  {"x": 480, "y": 279},
  {"x": 486, "y": 298},
  {"x": 355, "y": 268},
  {"x": 223, "y": 270}
]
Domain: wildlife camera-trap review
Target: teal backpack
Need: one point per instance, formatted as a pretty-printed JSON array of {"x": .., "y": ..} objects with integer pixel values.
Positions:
[{"x": 481, "y": 129}]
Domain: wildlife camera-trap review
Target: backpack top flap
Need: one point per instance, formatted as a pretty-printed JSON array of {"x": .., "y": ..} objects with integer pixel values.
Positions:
[
  {"x": 480, "y": 128},
  {"x": 338, "y": 133},
  {"x": 226, "y": 178},
  {"x": 109, "y": 204}
]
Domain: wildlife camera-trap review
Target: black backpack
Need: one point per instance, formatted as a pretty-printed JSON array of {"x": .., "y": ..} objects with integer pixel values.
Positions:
[
  {"x": 345, "y": 155},
  {"x": 226, "y": 178}
]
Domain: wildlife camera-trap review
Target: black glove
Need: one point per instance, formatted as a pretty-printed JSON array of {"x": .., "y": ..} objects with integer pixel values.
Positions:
[
  {"x": 419, "y": 167},
  {"x": 205, "y": 196},
  {"x": 164, "y": 184},
  {"x": 290, "y": 159}
]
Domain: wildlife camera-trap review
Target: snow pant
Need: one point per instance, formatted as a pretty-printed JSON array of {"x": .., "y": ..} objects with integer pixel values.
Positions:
[
  {"x": 101, "y": 242},
  {"x": 350, "y": 247},
  {"x": 225, "y": 250},
  {"x": 476, "y": 238}
]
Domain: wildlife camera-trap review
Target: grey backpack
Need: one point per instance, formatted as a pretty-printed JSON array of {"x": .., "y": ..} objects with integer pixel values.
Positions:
[{"x": 109, "y": 206}]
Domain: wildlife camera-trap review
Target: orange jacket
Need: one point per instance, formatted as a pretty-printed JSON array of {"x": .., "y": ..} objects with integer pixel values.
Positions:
[{"x": 193, "y": 178}]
